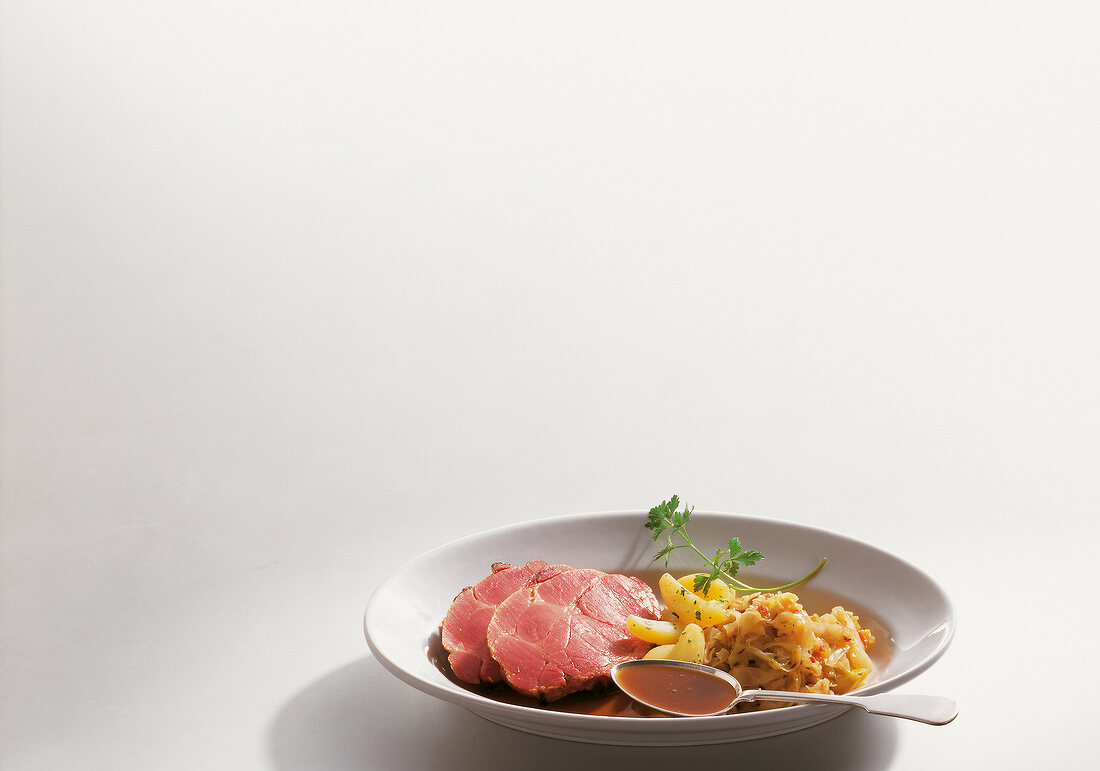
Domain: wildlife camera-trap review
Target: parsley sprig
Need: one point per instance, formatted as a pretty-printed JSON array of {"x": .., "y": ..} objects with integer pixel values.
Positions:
[{"x": 726, "y": 561}]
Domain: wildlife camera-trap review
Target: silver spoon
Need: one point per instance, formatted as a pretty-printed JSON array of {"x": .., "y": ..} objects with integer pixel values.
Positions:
[{"x": 935, "y": 710}]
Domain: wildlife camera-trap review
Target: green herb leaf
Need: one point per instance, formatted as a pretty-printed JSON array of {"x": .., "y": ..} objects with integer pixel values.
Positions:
[{"x": 726, "y": 562}]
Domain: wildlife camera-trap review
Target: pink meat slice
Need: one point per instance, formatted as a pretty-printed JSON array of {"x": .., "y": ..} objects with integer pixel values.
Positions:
[
  {"x": 565, "y": 633},
  {"x": 468, "y": 619}
]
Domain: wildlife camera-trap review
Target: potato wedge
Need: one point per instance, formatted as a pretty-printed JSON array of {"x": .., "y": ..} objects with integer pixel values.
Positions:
[
  {"x": 660, "y": 652},
  {"x": 686, "y": 607},
  {"x": 718, "y": 591},
  {"x": 691, "y": 646},
  {"x": 658, "y": 632}
]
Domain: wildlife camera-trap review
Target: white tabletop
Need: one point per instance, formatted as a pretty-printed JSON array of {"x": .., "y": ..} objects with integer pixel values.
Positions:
[{"x": 293, "y": 292}]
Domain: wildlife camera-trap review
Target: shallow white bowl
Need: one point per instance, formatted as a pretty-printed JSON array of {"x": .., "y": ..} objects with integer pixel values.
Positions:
[{"x": 910, "y": 614}]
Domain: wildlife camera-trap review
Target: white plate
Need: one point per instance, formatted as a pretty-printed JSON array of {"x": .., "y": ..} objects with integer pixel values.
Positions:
[{"x": 911, "y": 616}]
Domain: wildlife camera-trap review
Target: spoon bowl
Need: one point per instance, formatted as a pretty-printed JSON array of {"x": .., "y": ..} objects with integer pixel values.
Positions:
[{"x": 688, "y": 689}]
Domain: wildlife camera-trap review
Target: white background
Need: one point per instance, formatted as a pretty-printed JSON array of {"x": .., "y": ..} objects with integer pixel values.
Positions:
[{"x": 293, "y": 292}]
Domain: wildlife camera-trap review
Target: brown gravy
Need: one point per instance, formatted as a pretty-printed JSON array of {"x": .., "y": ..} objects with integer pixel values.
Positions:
[{"x": 679, "y": 689}]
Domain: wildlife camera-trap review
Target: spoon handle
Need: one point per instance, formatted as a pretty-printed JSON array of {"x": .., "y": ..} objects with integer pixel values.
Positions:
[{"x": 935, "y": 710}]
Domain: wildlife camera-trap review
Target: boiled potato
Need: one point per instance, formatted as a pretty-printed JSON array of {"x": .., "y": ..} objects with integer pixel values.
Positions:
[
  {"x": 660, "y": 652},
  {"x": 691, "y": 646},
  {"x": 659, "y": 632},
  {"x": 688, "y": 608},
  {"x": 718, "y": 591}
]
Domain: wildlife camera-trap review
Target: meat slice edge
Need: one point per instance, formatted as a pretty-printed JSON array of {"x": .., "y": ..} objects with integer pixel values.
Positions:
[
  {"x": 565, "y": 633},
  {"x": 464, "y": 628}
]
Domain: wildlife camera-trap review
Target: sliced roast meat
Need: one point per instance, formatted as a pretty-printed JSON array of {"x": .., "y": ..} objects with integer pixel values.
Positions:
[
  {"x": 565, "y": 633},
  {"x": 468, "y": 619}
]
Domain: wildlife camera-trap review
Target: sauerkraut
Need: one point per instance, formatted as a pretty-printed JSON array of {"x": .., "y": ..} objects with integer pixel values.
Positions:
[{"x": 769, "y": 641}]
